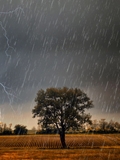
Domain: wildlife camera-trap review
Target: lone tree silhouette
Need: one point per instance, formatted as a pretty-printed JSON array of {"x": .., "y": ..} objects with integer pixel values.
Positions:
[{"x": 62, "y": 108}]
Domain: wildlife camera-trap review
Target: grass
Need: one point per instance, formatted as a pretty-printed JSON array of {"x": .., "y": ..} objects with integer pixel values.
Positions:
[{"x": 48, "y": 147}]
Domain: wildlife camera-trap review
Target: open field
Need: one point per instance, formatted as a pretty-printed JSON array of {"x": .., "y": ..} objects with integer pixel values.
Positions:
[{"x": 80, "y": 147}]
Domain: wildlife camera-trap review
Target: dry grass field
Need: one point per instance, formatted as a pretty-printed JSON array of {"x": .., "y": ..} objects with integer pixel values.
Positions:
[{"x": 48, "y": 147}]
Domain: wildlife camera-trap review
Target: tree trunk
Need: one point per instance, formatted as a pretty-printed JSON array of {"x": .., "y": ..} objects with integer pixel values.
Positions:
[{"x": 62, "y": 138}]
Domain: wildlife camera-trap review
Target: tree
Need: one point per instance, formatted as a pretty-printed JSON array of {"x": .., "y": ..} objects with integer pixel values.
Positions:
[
  {"x": 117, "y": 126},
  {"x": 62, "y": 108},
  {"x": 10, "y": 125},
  {"x": 7, "y": 131},
  {"x": 20, "y": 129},
  {"x": 1, "y": 127},
  {"x": 34, "y": 130},
  {"x": 4, "y": 130},
  {"x": 103, "y": 125}
]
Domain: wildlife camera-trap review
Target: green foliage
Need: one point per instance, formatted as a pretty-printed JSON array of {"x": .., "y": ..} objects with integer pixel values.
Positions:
[
  {"x": 20, "y": 129},
  {"x": 62, "y": 108}
]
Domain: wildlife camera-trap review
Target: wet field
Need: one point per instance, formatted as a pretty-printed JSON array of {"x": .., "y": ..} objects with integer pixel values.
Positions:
[{"x": 89, "y": 147}]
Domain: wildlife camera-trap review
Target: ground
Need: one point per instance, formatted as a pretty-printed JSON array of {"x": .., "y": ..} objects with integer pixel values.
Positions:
[{"x": 48, "y": 147}]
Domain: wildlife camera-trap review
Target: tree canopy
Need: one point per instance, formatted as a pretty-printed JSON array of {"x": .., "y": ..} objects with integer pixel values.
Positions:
[
  {"x": 62, "y": 108},
  {"x": 20, "y": 129}
]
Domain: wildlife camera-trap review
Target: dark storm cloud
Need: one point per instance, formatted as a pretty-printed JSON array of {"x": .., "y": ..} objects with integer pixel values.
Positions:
[
  {"x": 63, "y": 24},
  {"x": 61, "y": 43},
  {"x": 97, "y": 75}
]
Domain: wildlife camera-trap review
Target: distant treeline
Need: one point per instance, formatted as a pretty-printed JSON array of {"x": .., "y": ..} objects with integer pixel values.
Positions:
[
  {"x": 101, "y": 126},
  {"x": 18, "y": 129}
]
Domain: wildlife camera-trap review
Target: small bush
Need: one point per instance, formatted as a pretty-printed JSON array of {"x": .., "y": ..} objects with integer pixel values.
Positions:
[{"x": 7, "y": 132}]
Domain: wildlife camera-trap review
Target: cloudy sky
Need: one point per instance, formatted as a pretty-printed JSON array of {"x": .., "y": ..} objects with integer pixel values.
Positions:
[{"x": 56, "y": 43}]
